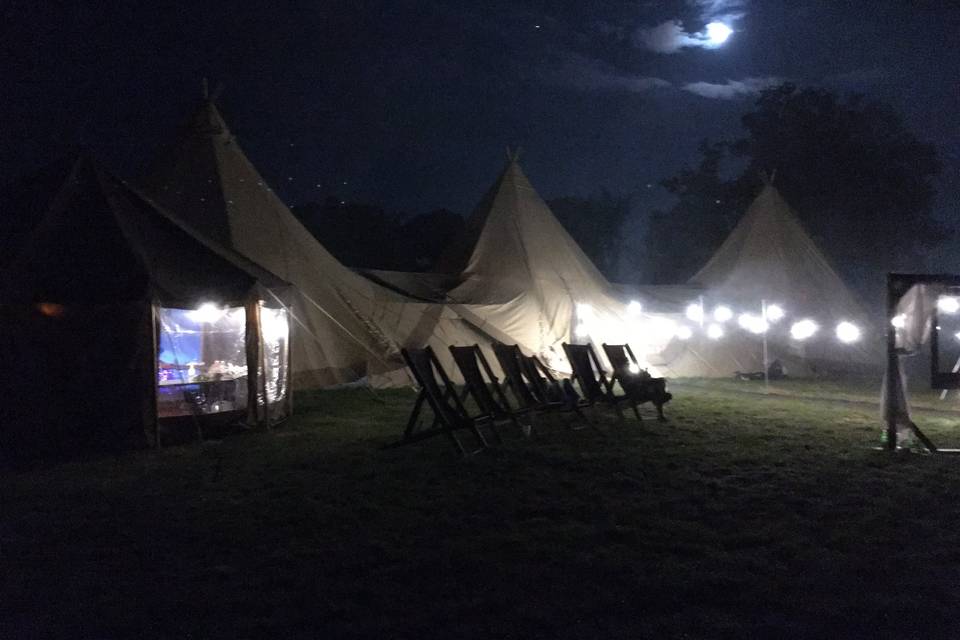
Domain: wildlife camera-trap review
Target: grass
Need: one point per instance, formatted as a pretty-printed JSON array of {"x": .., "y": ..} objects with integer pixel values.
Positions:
[{"x": 745, "y": 516}]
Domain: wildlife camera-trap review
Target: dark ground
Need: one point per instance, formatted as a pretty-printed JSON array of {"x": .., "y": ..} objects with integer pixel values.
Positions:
[{"x": 743, "y": 517}]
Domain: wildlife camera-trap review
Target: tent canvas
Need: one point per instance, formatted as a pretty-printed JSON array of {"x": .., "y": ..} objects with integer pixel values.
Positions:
[
  {"x": 521, "y": 277},
  {"x": 352, "y": 328},
  {"x": 770, "y": 257}
]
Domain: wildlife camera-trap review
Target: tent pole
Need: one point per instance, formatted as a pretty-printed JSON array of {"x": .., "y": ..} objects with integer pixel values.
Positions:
[
  {"x": 892, "y": 368},
  {"x": 252, "y": 343},
  {"x": 956, "y": 367},
  {"x": 766, "y": 364},
  {"x": 154, "y": 374}
]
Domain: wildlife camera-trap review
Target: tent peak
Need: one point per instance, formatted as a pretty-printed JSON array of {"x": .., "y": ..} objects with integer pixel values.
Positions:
[
  {"x": 513, "y": 155},
  {"x": 209, "y": 96}
]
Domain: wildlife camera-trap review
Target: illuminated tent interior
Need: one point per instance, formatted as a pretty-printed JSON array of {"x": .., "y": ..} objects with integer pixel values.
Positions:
[
  {"x": 770, "y": 280},
  {"x": 352, "y": 327},
  {"x": 120, "y": 323}
]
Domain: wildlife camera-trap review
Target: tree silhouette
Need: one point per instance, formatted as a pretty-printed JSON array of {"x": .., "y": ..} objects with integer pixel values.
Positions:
[{"x": 860, "y": 181}]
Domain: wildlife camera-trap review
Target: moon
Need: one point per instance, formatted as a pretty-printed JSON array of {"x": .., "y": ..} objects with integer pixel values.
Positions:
[{"x": 717, "y": 33}]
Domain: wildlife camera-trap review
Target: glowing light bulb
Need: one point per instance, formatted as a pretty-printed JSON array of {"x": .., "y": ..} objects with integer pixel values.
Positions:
[
  {"x": 694, "y": 312},
  {"x": 634, "y": 308},
  {"x": 722, "y": 313},
  {"x": 775, "y": 312},
  {"x": 948, "y": 304},
  {"x": 714, "y": 332},
  {"x": 803, "y": 329},
  {"x": 683, "y": 333},
  {"x": 899, "y": 321},
  {"x": 847, "y": 332},
  {"x": 206, "y": 312}
]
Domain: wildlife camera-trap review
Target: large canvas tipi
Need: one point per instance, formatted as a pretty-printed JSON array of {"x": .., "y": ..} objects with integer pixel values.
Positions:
[
  {"x": 352, "y": 328},
  {"x": 522, "y": 278},
  {"x": 770, "y": 257}
]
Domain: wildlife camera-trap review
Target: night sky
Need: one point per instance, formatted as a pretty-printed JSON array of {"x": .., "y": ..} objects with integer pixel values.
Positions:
[{"x": 412, "y": 104}]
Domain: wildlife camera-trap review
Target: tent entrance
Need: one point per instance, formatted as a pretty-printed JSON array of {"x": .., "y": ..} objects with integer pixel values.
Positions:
[
  {"x": 204, "y": 360},
  {"x": 201, "y": 361},
  {"x": 921, "y": 309}
]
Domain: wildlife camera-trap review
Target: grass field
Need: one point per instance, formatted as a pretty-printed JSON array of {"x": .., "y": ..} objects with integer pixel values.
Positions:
[{"x": 745, "y": 516}]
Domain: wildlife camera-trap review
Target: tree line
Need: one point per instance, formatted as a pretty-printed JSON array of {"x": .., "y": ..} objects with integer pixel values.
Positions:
[{"x": 861, "y": 182}]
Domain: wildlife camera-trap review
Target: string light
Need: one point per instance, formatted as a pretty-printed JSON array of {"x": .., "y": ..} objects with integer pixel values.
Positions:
[
  {"x": 948, "y": 304},
  {"x": 775, "y": 312},
  {"x": 722, "y": 313},
  {"x": 803, "y": 329},
  {"x": 847, "y": 332},
  {"x": 206, "y": 312}
]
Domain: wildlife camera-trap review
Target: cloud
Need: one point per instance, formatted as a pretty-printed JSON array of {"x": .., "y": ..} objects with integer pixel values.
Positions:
[
  {"x": 668, "y": 37},
  {"x": 671, "y": 37},
  {"x": 731, "y": 88},
  {"x": 588, "y": 74},
  {"x": 722, "y": 10}
]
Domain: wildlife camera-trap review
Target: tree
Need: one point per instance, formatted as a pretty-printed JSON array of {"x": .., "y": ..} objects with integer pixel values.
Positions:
[
  {"x": 359, "y": 235},
  {"x": 596, "y": 224},
  {"x": 365, "y": 236},
  {"x": 426, "y": 235},
  {"x": 860, "y": 181},
  {"x": 682, "y": 239}
]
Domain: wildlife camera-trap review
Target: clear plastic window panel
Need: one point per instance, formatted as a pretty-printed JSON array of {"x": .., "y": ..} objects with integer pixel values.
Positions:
[
  {"x": 948, "y": 331},
  {"x": 201, "y": 361},
  {"x": 275, "y": 332}
]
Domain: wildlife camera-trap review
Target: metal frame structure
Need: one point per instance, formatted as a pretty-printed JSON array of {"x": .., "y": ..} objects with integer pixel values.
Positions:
[{"x": 898, "y": 284}]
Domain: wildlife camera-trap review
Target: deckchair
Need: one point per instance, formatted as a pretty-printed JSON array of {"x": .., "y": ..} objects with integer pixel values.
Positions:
[
  {"x": 533, "y": 385},
  {"x": 593, "y": 381},
  {"x": 482, "y": 385},
  {"x": 635, "y": 382},
  {"x": 436, "y": 389}
]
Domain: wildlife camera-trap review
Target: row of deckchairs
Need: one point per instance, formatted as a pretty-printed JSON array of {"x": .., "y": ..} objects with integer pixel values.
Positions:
[{"x": 535, "y": 390}]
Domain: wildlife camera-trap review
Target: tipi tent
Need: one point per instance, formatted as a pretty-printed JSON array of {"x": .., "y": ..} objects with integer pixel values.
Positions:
[
  {"x": 353, "y": 328},
  {"x": 83, "y": 322},
  {"x": 770, "y": 258},
  {"x": 522, "y": 278}
]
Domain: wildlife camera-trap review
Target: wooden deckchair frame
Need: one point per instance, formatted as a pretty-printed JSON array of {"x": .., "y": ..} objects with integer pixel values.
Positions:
[
  {"x": 531, "y": 381},
  {"x": 437, "y": 391},
  {"x": 593, "y": 381},
  {"x": 483, "y": 386},
  {"x": 652, "y": 390}
]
